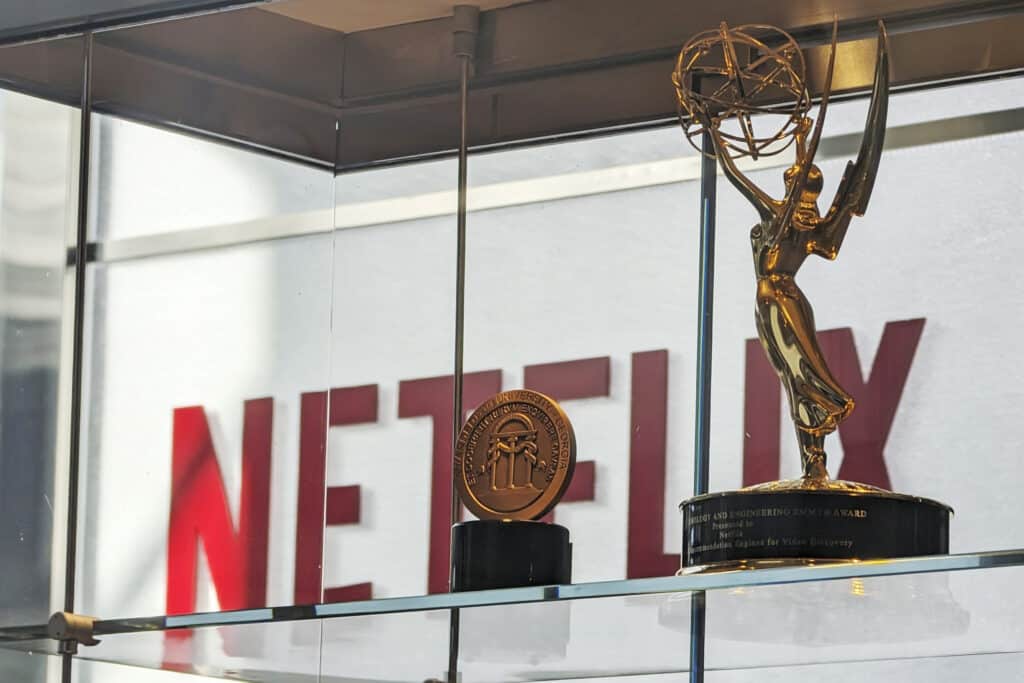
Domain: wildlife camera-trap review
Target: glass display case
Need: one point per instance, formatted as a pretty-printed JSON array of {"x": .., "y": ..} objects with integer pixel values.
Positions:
[{"x": 257, "y": 262}]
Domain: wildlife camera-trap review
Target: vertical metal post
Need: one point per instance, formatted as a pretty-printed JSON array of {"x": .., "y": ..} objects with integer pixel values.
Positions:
[
  {"x": 460, "y": 304},
  {"x": 466, "y": 24},
  {"x": 697, "y": 623},
  {"x": 78, "y": 340},
  {"x": 705, "y": 315},
  {"x": 460, "y": 275},
  {"x": 702, "y": 427}
]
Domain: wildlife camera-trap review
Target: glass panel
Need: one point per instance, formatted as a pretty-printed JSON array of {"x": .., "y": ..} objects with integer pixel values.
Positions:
[
  {"x": 269, "y": 652},
  {"x": 38, "y": 171},
  {"x": 391, "y": 403},
  {"x": 390, "y": 647},
  {"x": 252, "y": 652},
  {"x": 1002, "y": 666},
  {"x": 580, "y": 639},
  {"x": 158, "y": 183},
  {"x": 872, "y": 627},
  {"x": 529, "y": 594},
  {"x": 51, "y": 69},
  {"x": 38, "y": 156},
  {"x": 210, "y": 330},
  {"x": 923, "y": 283},
  {"x": 22, "y": 667},
  {"x": 198, "y": 364},
  {"x": 857, "y": 627},
  {"x": 929, "y": 105},
  {"x": 247, "y": 76},
  {"x": 581, "y": 275},
  {"x": 85, "y": 670}
]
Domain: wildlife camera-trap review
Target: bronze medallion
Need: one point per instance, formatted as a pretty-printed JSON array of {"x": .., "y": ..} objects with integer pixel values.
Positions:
[{"x": 515, "y": 456}]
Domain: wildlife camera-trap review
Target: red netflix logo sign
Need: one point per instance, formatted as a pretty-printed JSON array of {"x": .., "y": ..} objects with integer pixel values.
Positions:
[{"x": 237, "y": 555}]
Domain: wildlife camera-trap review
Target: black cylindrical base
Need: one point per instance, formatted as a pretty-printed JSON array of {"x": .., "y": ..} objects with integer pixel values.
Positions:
[
  {"x": 801, "y": 524},
  {"x": 494, "y": 554}
]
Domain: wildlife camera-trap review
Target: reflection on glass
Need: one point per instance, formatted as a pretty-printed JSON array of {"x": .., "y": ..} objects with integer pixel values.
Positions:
[
  {"x": 918, "y": 356},
  {"x": 207, "y": 348},
  {"x": 915, "y": 608},
  {"x": 581, "y": 270},
  {"x": 515, "y": 634},
  {"x": 37, "y": 169},
  {"x": 391, "y": 366},
  {"x": 152, "y": 181}
]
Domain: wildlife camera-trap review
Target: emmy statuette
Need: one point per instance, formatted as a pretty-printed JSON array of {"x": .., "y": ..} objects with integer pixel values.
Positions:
[{"x": 722, "y": 78}]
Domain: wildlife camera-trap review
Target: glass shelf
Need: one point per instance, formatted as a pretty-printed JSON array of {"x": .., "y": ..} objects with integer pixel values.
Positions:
[{"x": 903, "y": 619}]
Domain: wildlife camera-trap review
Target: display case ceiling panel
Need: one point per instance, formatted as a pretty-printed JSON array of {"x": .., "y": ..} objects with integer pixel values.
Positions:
[
  {"x": 359, "y": 15},
  {"x": 552, "y": 68},
  {"x": 31, "y": 19}
]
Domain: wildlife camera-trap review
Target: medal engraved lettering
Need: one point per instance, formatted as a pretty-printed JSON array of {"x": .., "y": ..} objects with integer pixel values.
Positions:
[{"x": 514, "y": 457}]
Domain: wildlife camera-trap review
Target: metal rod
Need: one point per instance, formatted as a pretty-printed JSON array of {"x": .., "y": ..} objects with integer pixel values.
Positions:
[
  {"x": 78, "y": 340},
  {"x": 460, "y": 275},
  {"x": 452, "y": 675},
  {"x": 702, "y": 426},
  {"x": 698, "y": 622},
  {"x": 705, "y": 317},
  {"x": 460, "y": 328}
]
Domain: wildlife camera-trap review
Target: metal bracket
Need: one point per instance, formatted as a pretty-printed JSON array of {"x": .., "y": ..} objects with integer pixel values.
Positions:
[
  {"x": 71, "y": 630},
  {"x": 467, "y": 25}
]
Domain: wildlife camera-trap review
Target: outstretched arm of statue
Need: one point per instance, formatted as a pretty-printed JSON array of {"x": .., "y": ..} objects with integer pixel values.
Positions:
[
  {"x": 859, "y": 177},
  {"x": 765, "y": 205}
]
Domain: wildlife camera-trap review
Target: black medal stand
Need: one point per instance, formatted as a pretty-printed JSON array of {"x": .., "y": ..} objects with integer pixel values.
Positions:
[{"x": 491, "y": 553}]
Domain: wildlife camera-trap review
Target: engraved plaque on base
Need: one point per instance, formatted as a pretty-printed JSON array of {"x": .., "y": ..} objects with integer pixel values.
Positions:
[{"x": 738, "y": 527}]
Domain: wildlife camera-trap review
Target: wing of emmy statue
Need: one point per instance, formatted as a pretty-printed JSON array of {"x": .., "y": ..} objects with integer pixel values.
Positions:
[{"x": 859, "y": 177}]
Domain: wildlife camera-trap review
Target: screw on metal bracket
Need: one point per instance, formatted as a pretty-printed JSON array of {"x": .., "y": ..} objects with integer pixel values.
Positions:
[{"x": 71, "y": 630}]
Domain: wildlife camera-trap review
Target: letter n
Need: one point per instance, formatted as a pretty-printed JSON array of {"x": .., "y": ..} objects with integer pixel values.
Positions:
[{"x": 200, "y": 512}]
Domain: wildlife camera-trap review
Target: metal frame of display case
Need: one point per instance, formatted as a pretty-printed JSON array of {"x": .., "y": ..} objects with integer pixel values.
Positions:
[
  {"x": 426, "y": 96},
  {"x": 78, "y": 340},
  {"x": 55, "y": 18}
]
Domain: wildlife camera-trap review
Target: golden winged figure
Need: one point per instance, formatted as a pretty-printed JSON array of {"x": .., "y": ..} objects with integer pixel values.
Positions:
[{"x": 791, "y": 228}]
